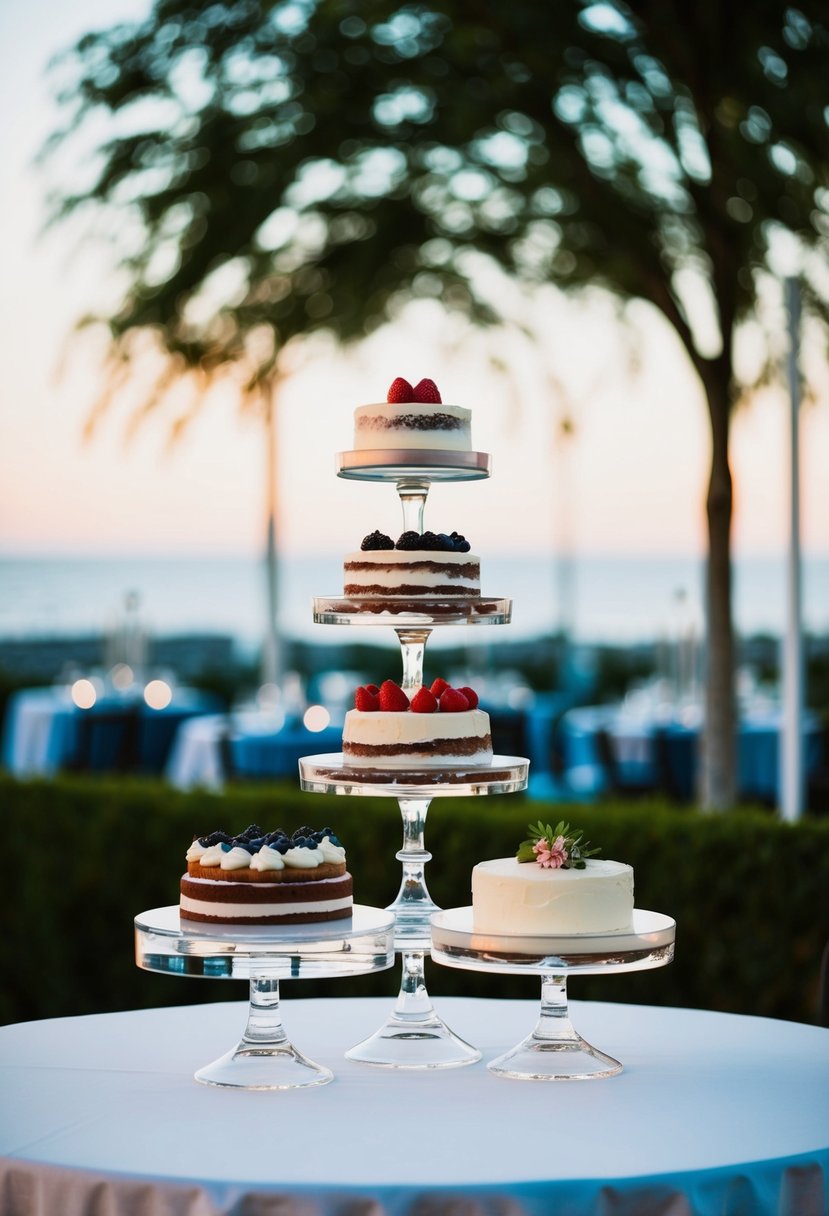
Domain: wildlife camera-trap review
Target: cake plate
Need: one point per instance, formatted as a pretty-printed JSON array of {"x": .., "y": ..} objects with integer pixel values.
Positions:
[
  {"x": 422, "y": 465},
  {"x": 413, "y": 1036},
  {"x": 264, "y": 1058},
  {"x": 554, "y": 1051},
  {"x": 401, "y": 611}
]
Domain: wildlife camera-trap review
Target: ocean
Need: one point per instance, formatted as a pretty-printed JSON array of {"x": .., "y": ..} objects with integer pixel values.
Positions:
[{"x": 602, "y": 599}]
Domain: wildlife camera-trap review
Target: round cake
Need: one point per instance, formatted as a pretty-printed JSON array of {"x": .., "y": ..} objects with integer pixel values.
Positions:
[
  {"x": 266, "y": 878},
  {"x": 413, "y": 418},
  {"x": 553, "y": 886},
  {"x": 427, "y": 564},
  {"x": 441, "y": 727}
]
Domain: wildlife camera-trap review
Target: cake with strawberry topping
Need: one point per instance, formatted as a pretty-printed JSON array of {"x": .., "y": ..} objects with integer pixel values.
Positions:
[
  {"x": 439, "y": 727},
  {"x": 266, "y": 878},
  {"x": 553, "y": 885},
  {"x": 418, "y": 564},
  {"x": 413, "y": 417}
]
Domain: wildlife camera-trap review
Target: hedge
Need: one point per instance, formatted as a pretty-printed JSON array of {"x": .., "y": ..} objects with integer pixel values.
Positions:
[{"x": 750, "y": 894}]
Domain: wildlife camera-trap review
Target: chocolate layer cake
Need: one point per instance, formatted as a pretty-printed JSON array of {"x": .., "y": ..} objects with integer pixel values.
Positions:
[
  {"x": 419, "y": 573},
  {"x": 266, "y": 879}
]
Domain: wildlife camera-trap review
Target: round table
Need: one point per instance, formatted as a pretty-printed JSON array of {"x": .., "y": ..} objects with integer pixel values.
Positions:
[{"x": 714, "y": 1113}]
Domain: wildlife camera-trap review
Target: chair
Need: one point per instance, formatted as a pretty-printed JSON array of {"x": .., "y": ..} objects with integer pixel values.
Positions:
[
  {"x": 107, "y": 740},
  {"x": 614, "y": 782}
]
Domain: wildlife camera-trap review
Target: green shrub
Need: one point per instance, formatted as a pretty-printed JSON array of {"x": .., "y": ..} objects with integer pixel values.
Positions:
[{"x": 750, "y": 894}]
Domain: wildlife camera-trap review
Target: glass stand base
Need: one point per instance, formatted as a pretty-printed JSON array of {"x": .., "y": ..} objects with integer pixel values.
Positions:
[
  {"x": 569, "y": 1058},
  {"x": 263, "y": 1066},
  {"x": 414, "y": 1036}
]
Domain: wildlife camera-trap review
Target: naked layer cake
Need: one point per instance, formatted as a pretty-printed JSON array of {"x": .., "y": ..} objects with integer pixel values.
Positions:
[
  {"x": 413, "y": 418},
  {"x": 440, "y": 727},
  {"x": 553, "y": 885},
  {"x": 418, "y": 564},
  {"x": 266, "y": 878}
]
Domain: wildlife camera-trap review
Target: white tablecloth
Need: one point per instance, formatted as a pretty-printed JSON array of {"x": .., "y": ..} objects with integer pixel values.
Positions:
[{"x": 713, "y": 1114}]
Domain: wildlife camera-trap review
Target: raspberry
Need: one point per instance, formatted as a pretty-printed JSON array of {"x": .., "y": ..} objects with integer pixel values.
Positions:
[
  {"x": 439, "y": 686},
  {"x": 424, "y": 702},
  {"x": 471, "y": 696},
  {"x": 452, "y": 701},
  {"x": 392, "y": 697},
  {"x": 376, "y": 540},
  {"x": 401, "y": 391},
  {"x": 372, "y": 688},
  {"x": 426, "y": 392},
  {"x": 366, "y": 700}
]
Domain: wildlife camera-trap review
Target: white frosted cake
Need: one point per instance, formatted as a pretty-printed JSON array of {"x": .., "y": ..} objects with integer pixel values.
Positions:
[
  {"x": 426, "y": 564},
  {"x": 435, "y": 731},
  {"x": 560, "y": 890},
  {"x": 413, "y": 418}
]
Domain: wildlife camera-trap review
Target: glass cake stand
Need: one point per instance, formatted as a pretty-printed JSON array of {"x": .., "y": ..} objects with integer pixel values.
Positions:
[
  {"x": 413, "y": 1036},
  {"x": 554, "y": 1051},
  {"x": 264, "y": 1058},
  {"x": 400, "y": 611},
  {"x": 423, "y": 465}
]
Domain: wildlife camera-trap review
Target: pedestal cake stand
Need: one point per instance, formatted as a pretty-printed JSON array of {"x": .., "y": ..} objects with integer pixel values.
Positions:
[
  {"x": 414, "y": 1036},
  {"x": 554, "y": 1051},
  {"x": 264, "y": 1058}
]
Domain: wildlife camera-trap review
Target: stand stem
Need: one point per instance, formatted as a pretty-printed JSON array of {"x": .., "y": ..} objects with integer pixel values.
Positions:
[
  {"x": 264, "y": 1017},
  {"x": 413, "y": 905},
  {"x": 412, "y": 651},
  {"x": 413, "y": 1000},
  {"x": 413, "y": 501},
  {"x": 554, "y": 1018}
]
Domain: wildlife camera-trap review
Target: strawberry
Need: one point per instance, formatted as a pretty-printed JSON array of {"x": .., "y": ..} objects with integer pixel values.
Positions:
[
  {"x": 471, "y": 696},
  {"x": 401, "y": 391},
  {"x": 426, "y": 391},
  {"x": 392, "y": 697},
  {"x": 372, "y": 688},
  {"x": 452, "y": 701},
  {"x": 424, "y": 702},
  {"x": 366, "y": 700},
  {"x": 439, "y": 686}
]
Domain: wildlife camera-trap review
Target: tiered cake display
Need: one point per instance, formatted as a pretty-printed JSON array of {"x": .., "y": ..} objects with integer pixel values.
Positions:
[{"x": 405, "y": 740}]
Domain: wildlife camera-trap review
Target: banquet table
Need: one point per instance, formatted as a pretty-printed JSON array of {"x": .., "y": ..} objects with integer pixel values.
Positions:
[
  {"x": 44, "y": 731},
  {"x": 713, "y": 1113},
  {"x": 633, "y": 738}
]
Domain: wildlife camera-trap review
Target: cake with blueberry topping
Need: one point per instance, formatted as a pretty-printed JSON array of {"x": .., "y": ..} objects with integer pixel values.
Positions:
[
  {"x": 553, "y": 885},
  {"x": 439, "y": 727},
  {"x": 435, "y": 564},
  {"x": 266, "y": 878},
  {"x": 413, "y": 418}
]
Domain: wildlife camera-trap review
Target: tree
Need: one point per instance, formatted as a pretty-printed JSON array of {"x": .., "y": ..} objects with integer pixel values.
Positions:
[{"x": 333, "y": 159}]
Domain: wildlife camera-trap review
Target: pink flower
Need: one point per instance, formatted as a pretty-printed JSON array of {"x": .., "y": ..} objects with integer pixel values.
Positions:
[{"x": 550, "y": 856}]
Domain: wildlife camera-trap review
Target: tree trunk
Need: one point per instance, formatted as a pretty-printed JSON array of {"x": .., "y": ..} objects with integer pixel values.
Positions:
[
  {"x": 718, "y": 758},
  {"x": 271, "y": 651}
]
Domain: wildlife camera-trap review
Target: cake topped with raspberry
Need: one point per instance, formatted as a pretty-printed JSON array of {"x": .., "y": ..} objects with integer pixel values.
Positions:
[
  {"x": 435, "y": 727},
  {"x": 414, "y": 418}
]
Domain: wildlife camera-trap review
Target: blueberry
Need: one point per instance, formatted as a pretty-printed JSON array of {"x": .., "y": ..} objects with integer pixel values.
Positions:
[
  {"x": 253, "y": 846},
  {"x": 325, "y": 832},
  {"x": 273, "y": 837},
  {"x": 226, "y": 846},
  {"x": 446, "y": 541},
  {"x": 333, "y": 839},
  {"x": 282, "y": 845}
]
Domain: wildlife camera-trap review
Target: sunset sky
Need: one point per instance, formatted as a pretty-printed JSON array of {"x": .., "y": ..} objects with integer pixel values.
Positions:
[{"x": 632, "y": 479}]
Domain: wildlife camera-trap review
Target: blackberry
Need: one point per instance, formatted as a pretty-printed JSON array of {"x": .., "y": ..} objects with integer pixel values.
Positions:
[
  {"x": 461, "y": 544},
  {"x": 446, "y": 542},
  {"x": 253, "y": 832},
  {"x": 430, "y": 540},
  {"x": 273, "y": 837},
  {"x": 409, "y": 541},
  {"x": 376, "y": 540},
  {"x": 303, "y": 831},
  {"x": 217, "y": 837}
]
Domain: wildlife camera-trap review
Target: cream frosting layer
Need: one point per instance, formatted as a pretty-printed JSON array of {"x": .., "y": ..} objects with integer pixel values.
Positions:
[
  {"x": 524, "y": 898},
  {"x": 232, "y": 911},
  {"x": 406, "y": 425},
  {"x": 378, "y": 728},
  {"x": 389, "y": 568}
]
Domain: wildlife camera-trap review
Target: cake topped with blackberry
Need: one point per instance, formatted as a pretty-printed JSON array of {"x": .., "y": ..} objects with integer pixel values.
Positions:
[
  {"x": 427, "y": 564},
  {"x": 266, "y": 878}
]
